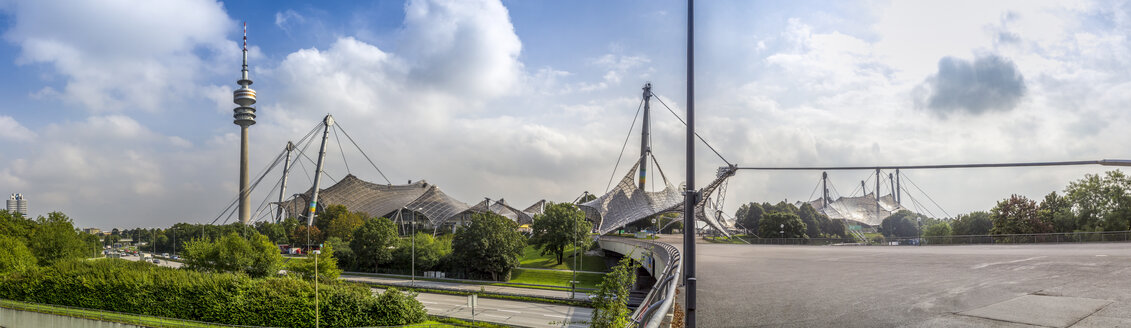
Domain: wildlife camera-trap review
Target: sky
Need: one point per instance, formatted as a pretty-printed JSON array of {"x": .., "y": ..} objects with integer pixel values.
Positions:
[{"x": 119, "y": 113}]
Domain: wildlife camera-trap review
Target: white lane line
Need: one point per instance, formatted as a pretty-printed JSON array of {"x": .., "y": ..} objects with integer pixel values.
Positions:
[
  {"x": 511, "y": 311},
  {"x": 427, "y": 302},
  {"x": 497, "y": 316},
  {"x": 983, "y": 265},
  {"x": 552, "y": 316}
]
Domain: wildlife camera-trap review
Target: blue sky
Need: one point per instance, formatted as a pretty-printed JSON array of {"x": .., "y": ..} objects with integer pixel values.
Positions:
[{"x": 119, "y": 112}]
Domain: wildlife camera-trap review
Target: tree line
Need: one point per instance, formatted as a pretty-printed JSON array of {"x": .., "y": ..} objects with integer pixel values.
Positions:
[{"x": 784, "y": 220}]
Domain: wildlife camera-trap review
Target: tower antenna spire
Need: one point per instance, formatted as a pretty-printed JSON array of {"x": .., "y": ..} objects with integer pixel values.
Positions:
[{"x": 244, "y": 116}]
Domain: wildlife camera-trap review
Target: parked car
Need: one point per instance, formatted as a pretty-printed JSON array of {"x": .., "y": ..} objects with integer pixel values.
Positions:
[{"x": 156, "y": 261}]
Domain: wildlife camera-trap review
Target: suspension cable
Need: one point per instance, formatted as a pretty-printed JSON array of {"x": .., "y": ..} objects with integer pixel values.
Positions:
[
  {"x": 928, "y": 196},
  {"x": 625, "y": 145},
  {"x": 339, "y": 125},
  {"x": 696, "y": 133},
  {"x": 339, "y": 142}
]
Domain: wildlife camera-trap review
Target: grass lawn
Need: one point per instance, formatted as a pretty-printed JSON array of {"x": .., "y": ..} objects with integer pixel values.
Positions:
[
  {"x": 531, "y": 258},
  {"x": 555, "y": 278}
]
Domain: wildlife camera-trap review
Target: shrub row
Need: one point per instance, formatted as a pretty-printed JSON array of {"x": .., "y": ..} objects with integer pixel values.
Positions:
[{"x": 141, "y": 288}]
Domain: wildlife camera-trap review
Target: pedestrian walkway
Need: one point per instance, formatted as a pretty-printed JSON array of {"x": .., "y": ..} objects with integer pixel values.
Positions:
[
  {"x": 562, "y": 270},
  {"x": 456, "y": 286}
]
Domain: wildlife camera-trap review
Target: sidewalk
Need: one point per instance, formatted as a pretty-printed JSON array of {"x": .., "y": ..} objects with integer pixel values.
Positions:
[
  {"x": 562, "y": 270},
  {"x": 469, "y": 287}
]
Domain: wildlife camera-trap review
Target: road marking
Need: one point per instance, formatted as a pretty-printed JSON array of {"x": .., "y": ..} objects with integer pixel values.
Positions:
[
  {"x": 552, "y": 316},
  {"x": 983, "y": 265},
  {"x": 1101, "y": 255},
  {"x": 511, "y": 311},
  {"x": 427, "y": 302},
  {"x": 497, "y": 316}
]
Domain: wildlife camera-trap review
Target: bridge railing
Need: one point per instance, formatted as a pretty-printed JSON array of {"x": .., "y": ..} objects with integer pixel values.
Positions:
[{"x": 660, "y": 298}]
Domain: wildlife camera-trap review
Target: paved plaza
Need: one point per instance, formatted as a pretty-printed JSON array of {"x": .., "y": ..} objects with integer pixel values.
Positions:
[{"x": 1053, "y": 285}]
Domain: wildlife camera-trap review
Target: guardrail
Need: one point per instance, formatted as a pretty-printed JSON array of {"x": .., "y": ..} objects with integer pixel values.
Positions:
[{"x": 659, "y": 300}]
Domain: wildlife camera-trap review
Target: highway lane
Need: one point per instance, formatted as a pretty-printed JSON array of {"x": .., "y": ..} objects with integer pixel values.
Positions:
[
  {"x": 518, "y": 313},
  {"x": 465, "y": 287}
]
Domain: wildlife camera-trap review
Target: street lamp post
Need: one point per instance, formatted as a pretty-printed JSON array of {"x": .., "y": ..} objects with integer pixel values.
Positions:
[
  {"x": 782, "y": 232},
  {"x": 414, "y": 245}
]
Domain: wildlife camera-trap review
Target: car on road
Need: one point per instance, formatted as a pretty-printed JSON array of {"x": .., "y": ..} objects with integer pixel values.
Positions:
[{"x": 156, "y": 261}]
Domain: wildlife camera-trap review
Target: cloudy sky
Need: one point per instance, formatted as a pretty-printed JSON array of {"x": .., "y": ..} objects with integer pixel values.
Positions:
[{"x": 118, "y": 112}]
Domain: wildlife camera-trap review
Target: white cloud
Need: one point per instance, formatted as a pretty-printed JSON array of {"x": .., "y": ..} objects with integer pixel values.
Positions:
[
  {"x": 12, "y": 130},
  {"x": 138, "y": 58}
]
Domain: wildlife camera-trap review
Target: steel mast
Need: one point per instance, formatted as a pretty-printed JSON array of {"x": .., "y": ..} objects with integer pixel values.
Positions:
[
  {"x": 283, "y": 188},
  {"x": 326, "y": 124}
]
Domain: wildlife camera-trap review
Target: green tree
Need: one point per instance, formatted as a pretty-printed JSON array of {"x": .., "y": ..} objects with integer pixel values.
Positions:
[
  {"x": 14, "y": 255},
  {"x": 327, "y": 265},
  {"x": 610, "y": 308},
  {"x": 430, "y": 251},
  {"x": 811, "y": 217},
  {"x": 274, "y": 232},
  {"x": 773, "y": 223},
  {"x": 55, "y": 238},
  {"x": 255, "y": 256},
  {"x": 935, "y": 230},
  {"x": 342, "y": 252},
  {"x": 1017, "y": 215},
  {"x": 1101, "y": 203},
  {"x": 371, "y": 243},
  {"x": 902, "y": 224},
  {"x": 290, "y": 225},
  {"x": 302, "y": 235},
  {"x": 561, "y": 225},
  {"x": 491, "y": 245},
  {"x": 1057, "y": 210},
  {"x": 974, "y": 223},
  {"x": 344, "y": 225},
  {"x": 748, "y": 216}
]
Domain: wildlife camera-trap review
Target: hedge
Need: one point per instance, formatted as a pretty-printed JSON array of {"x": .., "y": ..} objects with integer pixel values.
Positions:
[{"x": 142, "y": 288}]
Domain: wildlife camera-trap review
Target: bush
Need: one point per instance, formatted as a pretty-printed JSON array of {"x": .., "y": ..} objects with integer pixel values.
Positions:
[
  {"x": 236, "y": 299},
  {"x": 14, "y": 255},
  {"x": 255, "y": 256}
]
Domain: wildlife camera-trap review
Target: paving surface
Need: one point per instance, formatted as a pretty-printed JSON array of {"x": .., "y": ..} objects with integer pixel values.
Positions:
[
  {"x": 516, "y": 313},
  {"x": 464, "y": 287},
  {"x": 1055, "y": 285}
]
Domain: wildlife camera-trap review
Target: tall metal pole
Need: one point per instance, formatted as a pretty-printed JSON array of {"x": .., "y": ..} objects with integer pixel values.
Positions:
[
  {"x": 645, "y": 135},
  {"x": 825, "y": 188},
  {"x": 690, "y": 197},
  {"x": 283, "y": 189},
  {"x": 877, "y": 192},
  {"x": 898, "y": 189},
  {"x": 326, "y": 123}
]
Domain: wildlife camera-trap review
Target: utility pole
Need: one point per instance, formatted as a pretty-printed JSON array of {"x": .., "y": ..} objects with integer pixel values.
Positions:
[{"x": 690, "y": 196}]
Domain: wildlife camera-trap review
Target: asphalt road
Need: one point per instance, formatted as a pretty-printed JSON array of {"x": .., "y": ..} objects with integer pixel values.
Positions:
[
  {"x": 466, "y": 287},
  {"x": 504, "y": 311},
  {"x": 929, "y": 286}
]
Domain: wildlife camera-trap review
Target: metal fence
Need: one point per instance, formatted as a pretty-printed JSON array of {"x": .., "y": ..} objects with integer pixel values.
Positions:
[
  {"x": 139, "y": 319},
  {"x": 1041, "y": 238}
]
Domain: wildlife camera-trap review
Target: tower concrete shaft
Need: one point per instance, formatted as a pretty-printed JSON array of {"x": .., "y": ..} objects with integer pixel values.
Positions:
[{"x": 244, "y": 117}]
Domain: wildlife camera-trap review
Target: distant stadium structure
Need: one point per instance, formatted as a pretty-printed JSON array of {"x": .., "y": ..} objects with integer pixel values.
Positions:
[
  {"x": 859, "y": 210},
  {"x": 420, "y": 201}
]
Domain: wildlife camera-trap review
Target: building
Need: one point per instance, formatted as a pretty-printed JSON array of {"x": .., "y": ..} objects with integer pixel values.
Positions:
[
  {"x": 93, "y": 231},
  {"x": 17, "y": 204}
]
